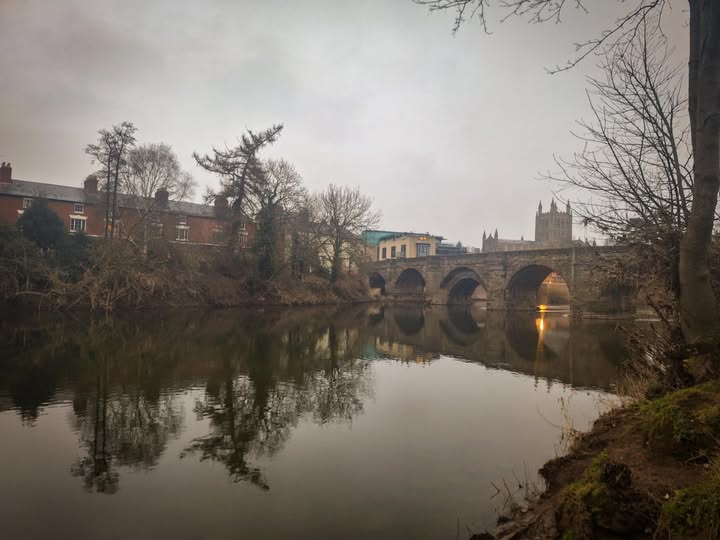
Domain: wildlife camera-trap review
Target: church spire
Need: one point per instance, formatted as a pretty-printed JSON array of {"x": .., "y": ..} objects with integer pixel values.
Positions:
[
  {"x": 496, "y": 234},
  {"x": 567, "y": 208},
  {"x": 553, "y": 206},
  {"x": 540, "y": 207}
]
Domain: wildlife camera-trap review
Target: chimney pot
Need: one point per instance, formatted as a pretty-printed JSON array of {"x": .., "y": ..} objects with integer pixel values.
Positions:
[
  {"x": 162, "y": 196},
  {"x": 221, "y": 201},
  {"x": 91, "y": 184}
]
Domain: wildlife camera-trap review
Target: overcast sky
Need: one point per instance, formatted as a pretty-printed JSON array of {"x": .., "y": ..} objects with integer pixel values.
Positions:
[{"x": 446, "y": 133}]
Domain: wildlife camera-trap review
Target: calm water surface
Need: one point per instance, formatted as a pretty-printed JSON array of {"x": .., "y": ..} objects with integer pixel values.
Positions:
[{"x": 309, "y": 424}]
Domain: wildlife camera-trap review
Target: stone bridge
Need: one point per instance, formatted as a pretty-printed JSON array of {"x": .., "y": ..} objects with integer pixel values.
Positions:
[{"x": 510, "y": 279}]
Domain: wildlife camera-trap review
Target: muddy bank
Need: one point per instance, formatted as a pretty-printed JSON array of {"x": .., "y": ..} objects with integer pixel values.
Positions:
[{"x": 645, "y": 471}]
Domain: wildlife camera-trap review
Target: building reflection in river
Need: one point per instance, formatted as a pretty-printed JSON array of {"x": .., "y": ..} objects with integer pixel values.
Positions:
[{"x": 256, "y": 375}]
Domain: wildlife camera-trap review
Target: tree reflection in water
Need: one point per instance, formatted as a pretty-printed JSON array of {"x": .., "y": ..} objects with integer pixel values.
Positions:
[
  {"x": 252, "y": 407},
  {"x": 261, "y": 373},
  {"x": 121, "y": 429},
  {"x": 122, "y": 418}
]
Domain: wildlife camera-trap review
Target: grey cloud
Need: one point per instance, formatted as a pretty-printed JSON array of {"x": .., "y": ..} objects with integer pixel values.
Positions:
[{"x": 447, "y": 133}]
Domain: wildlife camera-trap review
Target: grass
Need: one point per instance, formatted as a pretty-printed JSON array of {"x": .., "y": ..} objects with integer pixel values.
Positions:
[
  {"x": 685, "y": 422},
  {"x": 694, "y": 512},
  {"x": 583, "y": 499},
  {"x": 604, "y": 499}
]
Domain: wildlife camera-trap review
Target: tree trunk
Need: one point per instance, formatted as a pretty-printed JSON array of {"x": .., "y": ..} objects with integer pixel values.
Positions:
[
  {"x": 336, "y": 269},
  {"x": 698, "y": 305},
  {"x": 114, "y": 200},
  {"x": 107, "y": 203}
]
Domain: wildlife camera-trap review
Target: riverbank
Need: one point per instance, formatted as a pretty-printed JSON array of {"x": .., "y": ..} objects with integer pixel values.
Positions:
[
  {"x": 156, "y": 291},
  {"x": 83, "y": 274},
  {"x": 648, "y": 470}
]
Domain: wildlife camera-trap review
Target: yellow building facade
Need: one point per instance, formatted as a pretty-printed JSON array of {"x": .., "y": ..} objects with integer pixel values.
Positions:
[{"x": 407, "y": 246}]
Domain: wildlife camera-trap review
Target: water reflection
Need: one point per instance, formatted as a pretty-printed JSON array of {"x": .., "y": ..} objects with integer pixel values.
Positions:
[
  {"x": 251, "y": 406},
  {"x": 261, "y": 374},
  {"x": 546, "y": 345},
  {"x": 256, "y": 376},
  {"x": 306, "y": 412}
]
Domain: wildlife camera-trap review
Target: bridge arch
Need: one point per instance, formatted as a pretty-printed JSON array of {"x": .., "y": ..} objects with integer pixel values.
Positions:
[
  {"x": 377, "y": 282},
  {"x": 410, "y": 281},
  {"x": 409, "y": 321},
  {"x": 522, "y": 290},
  {"x": 461, "y": 327},
  {"x": 463, "y": 286}
]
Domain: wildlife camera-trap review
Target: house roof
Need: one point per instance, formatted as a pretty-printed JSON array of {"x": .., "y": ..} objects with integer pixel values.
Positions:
[
  {"x": 53, "y": 192},
  {"x": 56, "y": 192},
  {"x": 373, "y": 238}
]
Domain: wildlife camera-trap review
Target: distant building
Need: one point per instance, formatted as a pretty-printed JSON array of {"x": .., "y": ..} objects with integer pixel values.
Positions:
[
  {"x": 381, "y": 245},
  {"x": 451, "y": 249},
  {"x": 494, "y": 243},
  {"x": 553, "y": 229},
  {"x": 82, "y": 210},
  {"x": 408, "y": 246}
]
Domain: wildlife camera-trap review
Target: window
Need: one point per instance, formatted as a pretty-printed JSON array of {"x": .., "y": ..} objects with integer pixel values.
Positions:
[
  {"x": 79, "y": 208},
  {"x": 242, "y": 227},
  {"x": 384, "y": 253},
  {"x": 218, "y": 235},
  {"x": 26, "y": 203},
  {"x": 423, "y": 250},
  {"x": 243, "y": 238},
  {"x": 77, "y": 225},
  {"x": 182, "y": 220},
  {"x": 403, "y": 250},
  {"x": 156, "y": 229},
  {"x": 392, "y": 252},
  {"x": 183, "y": 233}
]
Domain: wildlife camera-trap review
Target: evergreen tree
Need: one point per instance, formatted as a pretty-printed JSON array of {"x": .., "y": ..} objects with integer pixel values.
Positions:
[{"x": 41, "y": 225}]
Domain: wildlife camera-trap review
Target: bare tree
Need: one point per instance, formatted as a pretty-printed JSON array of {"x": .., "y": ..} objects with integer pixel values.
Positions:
[
  {"x": 343, "y": 214},
  {"x": 636, "y": 161},
  {"x": 698, "y": 303},
  {"x": 636, "y": 167},
  {"x": 306, "y": 238},
  {"x": 155, "y": 166},
  {"x": 111, "y": 152},
  {"x": 151, "y": 168},
  {"x": 278, "y": 193}
]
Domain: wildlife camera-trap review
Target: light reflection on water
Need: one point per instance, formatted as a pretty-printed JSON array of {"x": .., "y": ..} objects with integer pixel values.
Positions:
[{"x": 353, "y": 423}]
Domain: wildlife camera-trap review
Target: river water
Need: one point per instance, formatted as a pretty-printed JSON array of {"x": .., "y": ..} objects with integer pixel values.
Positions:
[{"x": 366, "y": 422}]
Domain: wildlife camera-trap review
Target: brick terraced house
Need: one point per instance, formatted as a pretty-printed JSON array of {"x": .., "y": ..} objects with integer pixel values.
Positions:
[{"x": 82, "y": 210}]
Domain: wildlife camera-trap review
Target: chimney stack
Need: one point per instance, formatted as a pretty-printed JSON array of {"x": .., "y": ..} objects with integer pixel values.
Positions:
[
  {"x": 5, "y": 173},
  {"x": 221, "y": 205},
  {"x": 91, "y": 184},
  {"x": 162, "y": 196},
  {"x": 221, "y": 202}
]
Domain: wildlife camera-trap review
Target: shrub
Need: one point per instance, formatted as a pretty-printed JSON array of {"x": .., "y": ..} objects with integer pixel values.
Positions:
[{"x": 41, "y": 225}]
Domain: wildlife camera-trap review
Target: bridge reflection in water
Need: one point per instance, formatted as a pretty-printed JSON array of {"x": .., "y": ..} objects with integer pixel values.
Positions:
[
  {"x": 300, "y": 409},
  {"x": 546, "y": 345}
]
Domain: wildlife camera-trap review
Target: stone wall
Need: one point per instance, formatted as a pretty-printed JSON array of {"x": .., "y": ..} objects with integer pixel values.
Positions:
[{"x": 511, "y": 279}]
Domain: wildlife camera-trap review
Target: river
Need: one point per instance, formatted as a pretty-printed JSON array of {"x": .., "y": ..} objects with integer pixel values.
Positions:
[{"x": 363, "y": 422}]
